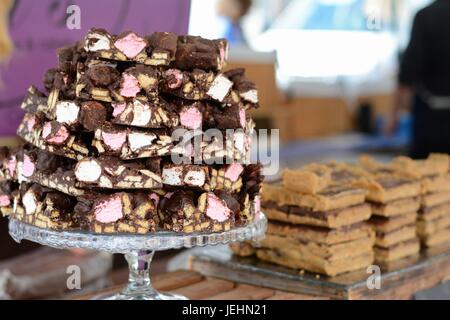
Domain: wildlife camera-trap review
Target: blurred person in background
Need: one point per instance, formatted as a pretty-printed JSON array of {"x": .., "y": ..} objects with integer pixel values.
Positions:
[
  {"x": 424, "y": 81},
  {"x": 232, "y": 12}
]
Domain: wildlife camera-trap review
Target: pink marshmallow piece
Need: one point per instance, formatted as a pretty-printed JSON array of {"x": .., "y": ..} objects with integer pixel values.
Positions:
[
  {"x": 191, "y": 118},
  {"x": 131, "y": 45},
  {"x": 4, "y": 200},
  {"x": 114, "y": 140},
  {"x": 118, "y": 108},
  {"x": 46, "y": 130},
  {"x": 216, "y": 208},
  {"x": 28, "y": 166},
  {"x": 242, "y": 117},
  {"x": 129, "y": 86},
  {"x": 176, "y": 78},
  {"x": 109, "y": 210},
  {"x": 61, "y": 135},
  {"x": 11, "y": 166},
  {"x": 155, "y": 198},
  {"x": 234, "y": 171},
  {"x": 257, "y": 205},
  {"x": 168, "y": 195},
  {"x": 31, "y": 121}
]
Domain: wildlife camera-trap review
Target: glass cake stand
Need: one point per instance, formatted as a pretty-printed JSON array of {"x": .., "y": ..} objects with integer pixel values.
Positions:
[{"x": 138, "y": 249}]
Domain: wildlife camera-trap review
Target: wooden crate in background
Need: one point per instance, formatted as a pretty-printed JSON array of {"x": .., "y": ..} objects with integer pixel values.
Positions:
[{"x": 317, "y": 117}]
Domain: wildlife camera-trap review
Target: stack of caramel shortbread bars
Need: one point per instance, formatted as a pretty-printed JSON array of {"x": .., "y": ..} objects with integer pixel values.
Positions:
[
  {"x": 395, "y": 201},
  {"x": 317, "y": 221},
  {"x": 433, "y": 223}
]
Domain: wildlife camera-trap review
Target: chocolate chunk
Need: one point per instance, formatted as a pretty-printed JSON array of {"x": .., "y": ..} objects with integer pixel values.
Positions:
[
  {"x": 253, "y": 179},
  {"x": 47, "y": 162},
  {"x": 177, "y": 201},
  {"x": 153, "y": 164},
  {"x": 163, "y": 42},
  {"x": 232, "y": 202},
  {"x": 227, "y": 118},
  {"x": 68, "y": 57},
  {"x": 196, "y": 52},
  {"x": 55, "y": 133},
  {"x": 60, "y": 201},
  {"x": 49, "y": 78},
  {"x": 102, "y": 75},
  {"x": 92, "y": 115}
]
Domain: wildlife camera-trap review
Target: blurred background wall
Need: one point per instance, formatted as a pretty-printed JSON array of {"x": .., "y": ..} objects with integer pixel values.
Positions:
[
  {"x": 37, "y": 28},
  {"x": 334, "y": 61}
]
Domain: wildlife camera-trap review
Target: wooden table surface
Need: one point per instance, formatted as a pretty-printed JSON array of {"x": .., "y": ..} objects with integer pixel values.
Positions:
[{"x": 195, "y": 286}]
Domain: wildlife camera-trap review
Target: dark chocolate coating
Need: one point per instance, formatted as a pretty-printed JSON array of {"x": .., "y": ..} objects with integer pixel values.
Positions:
[
  {"x": 102, "y": 75},
  {"x": 177, "y": 201},
  {"x": 92, "y": 115}
]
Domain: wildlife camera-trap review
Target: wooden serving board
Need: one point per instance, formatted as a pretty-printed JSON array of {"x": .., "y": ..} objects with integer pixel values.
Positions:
[
  {"x": 398, "y": 281},
  {"x": 193, "y": 285}
]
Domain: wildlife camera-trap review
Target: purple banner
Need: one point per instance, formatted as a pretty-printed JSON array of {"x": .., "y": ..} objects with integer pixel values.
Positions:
[{"x": 38, "y": 28}]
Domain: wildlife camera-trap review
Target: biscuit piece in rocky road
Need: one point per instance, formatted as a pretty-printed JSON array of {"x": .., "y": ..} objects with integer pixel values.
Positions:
[
  {"x": 119, "y": 212},
  {"x": 228, "y": 178},
  {"x": 428, "y": 228},
  {"x": 395, "y": 207},
  {"x": 385, "y": 188},
  {"x": 384, "y": 224},
  {"x": 294, "y": 260},
  {"x": 438, "y": 238},
  {"x": 335, "y": 218},
  {"x": 334, "y": 197},
  {"x": 435, "y": 164},
  {"x": 397, "y": 251},
  {"x": 313, "y": 251},
  {"x": 435, "y": 199},
  {"x": 320, "y": 235},
  {"x": 403, "y": 233}
]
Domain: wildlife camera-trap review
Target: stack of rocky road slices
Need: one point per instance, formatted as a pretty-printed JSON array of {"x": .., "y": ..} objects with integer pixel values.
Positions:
[
  {"x": 337, "y": 217},
  {"x": 111, "y": 147}
]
